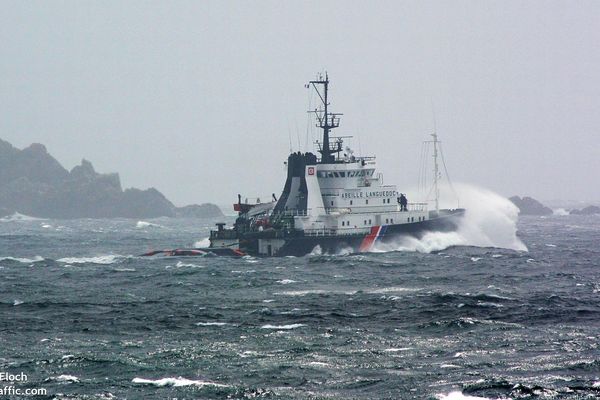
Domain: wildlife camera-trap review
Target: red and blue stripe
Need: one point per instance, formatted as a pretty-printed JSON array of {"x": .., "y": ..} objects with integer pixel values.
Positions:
[{"x": 371, "y": 238}]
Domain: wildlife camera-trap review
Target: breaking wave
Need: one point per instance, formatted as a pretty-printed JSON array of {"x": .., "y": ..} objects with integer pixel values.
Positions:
[
  {"x": 63, "y": 379},
  {"x": 490, "y": 221},
  {"x": 19, "y": 217},
  {"x": 282, "y": 327},
  {"x": 176, "y": 382},
  {"x": 108, "y": 259},
  {"x": 145, "y": 224}
]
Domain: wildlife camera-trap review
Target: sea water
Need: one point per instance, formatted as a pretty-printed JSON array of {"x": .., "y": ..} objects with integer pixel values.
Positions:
[{"x": 497, "y": 310}]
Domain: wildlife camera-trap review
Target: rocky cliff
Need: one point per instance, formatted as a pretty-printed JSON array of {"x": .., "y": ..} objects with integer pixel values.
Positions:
[{"x": 32, "y": 182}]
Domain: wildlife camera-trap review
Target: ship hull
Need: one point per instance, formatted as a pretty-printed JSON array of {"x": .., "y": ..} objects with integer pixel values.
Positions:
[{"x": 301, "y": 244}]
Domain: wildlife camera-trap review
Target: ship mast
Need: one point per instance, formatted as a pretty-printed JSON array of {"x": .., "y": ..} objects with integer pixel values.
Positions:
[
  {"x": 436, "y": 172},
  {"x": 326, "y": 121}
]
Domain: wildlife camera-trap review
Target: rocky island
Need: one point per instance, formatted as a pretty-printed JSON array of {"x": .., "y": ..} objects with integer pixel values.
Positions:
[
  {"x": 590, "y": 210},
  {"x": 530, "y": 206},
  {"x": 34, "y": 183}
]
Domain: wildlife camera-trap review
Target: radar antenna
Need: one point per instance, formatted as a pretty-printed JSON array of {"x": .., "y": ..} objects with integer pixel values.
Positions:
[{"x": 326, "y": 121}]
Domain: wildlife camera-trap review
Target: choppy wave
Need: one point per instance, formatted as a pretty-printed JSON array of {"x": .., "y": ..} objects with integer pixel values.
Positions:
[
  {"x": 286, "y": 281},
  {"x": 212, "y": 323},
  {"x": 146, "y": 224},
  {"x": 63, "y": 379},
  {"x": 20, "y": 217},
  {"x": 403, "y": 325},
  {"x": 106, "y": 259},
  {"x": 391, "y": 289},
  {"x": 282, "y": 327},
  {"x": 23, "y": 260},
  {"x": 176, "y": 382},
  {"x": 459, "y": 396}
]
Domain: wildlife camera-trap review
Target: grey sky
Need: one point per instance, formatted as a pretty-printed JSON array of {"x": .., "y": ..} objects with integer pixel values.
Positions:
[{"x": 199, "y": 98}]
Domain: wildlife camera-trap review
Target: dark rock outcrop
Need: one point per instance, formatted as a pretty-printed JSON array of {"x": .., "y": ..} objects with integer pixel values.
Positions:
[
  {"x": 32, "y": 182},
  {"x": 206, "y": 210},
  {"x": 590, "y": 210},
  {"x": 530, "y": 206}
]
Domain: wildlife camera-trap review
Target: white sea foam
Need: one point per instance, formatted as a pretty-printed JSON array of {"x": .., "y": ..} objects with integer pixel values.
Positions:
[
  {"x": 23, "y": 260},
  {"x": 317, "y": 251},
  {"x": 301, "y": 293},
  {"x": 282, "y": 327},
  {"x": 211, "y": 323},
  {"x": 181, "y": 264},
  {"x": 146, "y": 224},
  {"x": 286, "y": 281},
  {"x": 179, "y": 381},
  {"x": 107, "y": 259},
  {"x": 391, "y": 289},
  {"x": 66, "y": 378},
  {"x": 19, "y": 217},
  {"x": 319, "y": 364},
  {"x": 397, "y": 349},
  {"x": 560, "y": 212},
  {"x": 202, "y": 243},
  {"x": 18, "y": 302},
  {"x": 459, "y": 396},
  {"x": 489, "y": 221}
]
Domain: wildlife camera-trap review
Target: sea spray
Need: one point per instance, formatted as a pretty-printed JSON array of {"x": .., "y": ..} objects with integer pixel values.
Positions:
[
  {"x": 489, "y": 221},
  {"x": 202, "y": 243}
]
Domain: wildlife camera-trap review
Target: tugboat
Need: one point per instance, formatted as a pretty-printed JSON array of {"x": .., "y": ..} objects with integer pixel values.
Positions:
[{"x": 331, "y": 203}]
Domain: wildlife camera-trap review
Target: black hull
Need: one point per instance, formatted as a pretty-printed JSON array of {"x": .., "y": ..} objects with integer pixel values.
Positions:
[
  {"x": 381, "y": 235},
  {"x": 298, "y": 244}
]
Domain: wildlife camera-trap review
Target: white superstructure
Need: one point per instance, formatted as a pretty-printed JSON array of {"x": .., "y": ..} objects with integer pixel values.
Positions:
[{"x": 349, "y": 197}]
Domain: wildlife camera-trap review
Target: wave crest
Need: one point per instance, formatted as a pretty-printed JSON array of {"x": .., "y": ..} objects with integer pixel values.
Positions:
[{"x": 490, "y": 221}]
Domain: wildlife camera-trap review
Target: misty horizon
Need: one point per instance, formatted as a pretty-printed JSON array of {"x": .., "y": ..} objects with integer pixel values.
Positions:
[{"x": 202, "y": 100}]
